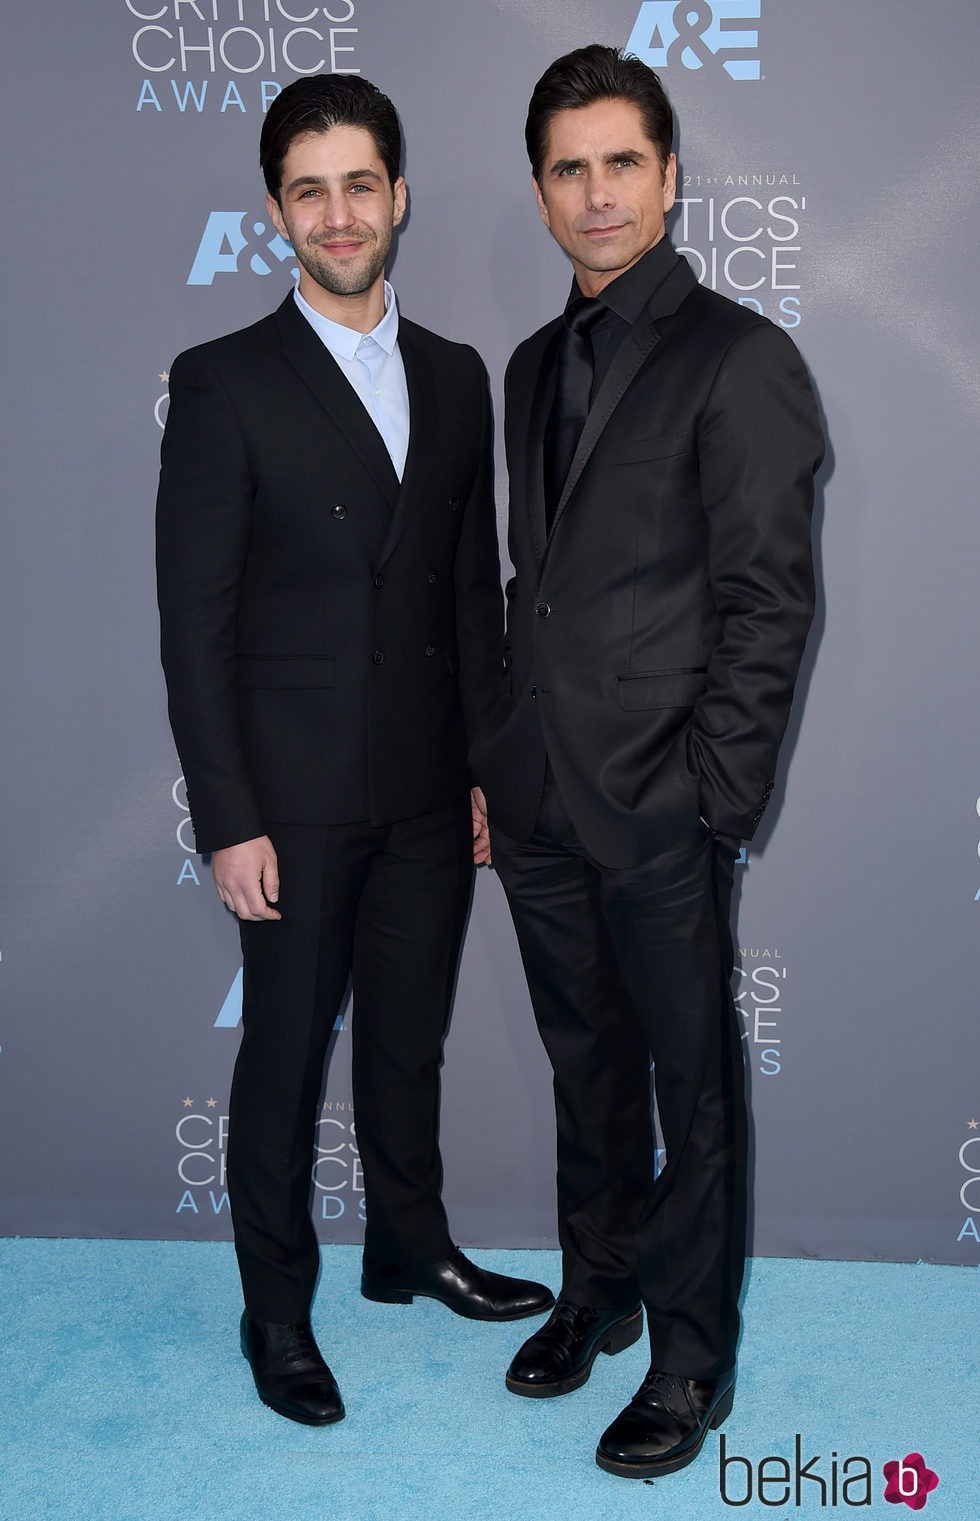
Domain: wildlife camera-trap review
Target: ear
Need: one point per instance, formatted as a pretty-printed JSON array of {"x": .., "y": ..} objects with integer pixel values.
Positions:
[
  {"x": 400, "y": 192},
  {"x": 272, "y": 207},
  {"x": 542, "y": 204},
  {"x": 670, "y": 181}
]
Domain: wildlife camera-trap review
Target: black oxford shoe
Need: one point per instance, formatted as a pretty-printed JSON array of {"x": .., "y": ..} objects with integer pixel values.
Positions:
[
  {"x": 463, "y": 1287},
  {"x": 559, "y": 1357},
  {"x": 289, "y": 1372},
  {"x": 664, "y": 1426}
]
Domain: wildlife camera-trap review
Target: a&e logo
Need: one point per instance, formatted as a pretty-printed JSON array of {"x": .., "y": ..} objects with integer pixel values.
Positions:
[
  {"x": 700, "y": 34},
  {"x": 224, "y": 241},
  {"x": 910, "y": 1481}
]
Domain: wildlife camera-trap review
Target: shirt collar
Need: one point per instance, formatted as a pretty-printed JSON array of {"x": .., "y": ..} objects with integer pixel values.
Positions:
[
  {"x": 631, "y": 291},
  {"x": 344, "y": 341}
]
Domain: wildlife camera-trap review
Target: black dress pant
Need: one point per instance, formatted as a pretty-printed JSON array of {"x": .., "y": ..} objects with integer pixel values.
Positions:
[
  {"x": 386, "y": 908},
  {"x": 624, "y": 966}
]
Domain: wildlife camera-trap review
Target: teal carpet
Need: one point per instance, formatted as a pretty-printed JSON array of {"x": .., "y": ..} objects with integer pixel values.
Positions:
[{"x": 125, "y": 1398}]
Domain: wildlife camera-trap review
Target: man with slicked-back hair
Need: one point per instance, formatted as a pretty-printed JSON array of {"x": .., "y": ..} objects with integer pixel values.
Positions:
[{"x": 661, "y": 445}]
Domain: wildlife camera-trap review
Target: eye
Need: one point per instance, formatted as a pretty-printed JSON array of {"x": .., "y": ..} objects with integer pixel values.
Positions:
[{"x": 625, "y": 162}]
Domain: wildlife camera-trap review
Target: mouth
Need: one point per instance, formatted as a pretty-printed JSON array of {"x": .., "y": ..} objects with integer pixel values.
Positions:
[
  {"x": 604, "y": 231},
  {"x": 341, "y": 247}
]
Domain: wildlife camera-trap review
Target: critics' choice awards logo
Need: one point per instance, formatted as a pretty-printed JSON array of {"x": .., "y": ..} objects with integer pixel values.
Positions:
[
  {"x": 968, "y": 1156},
  {"x": 759, "y": 986},
  {"x": 232, "y": 241},
  {"x": 183, "y": 831},
  {"x": 824, "y": 1481},
  {"x": 743, "y": 236},
  {"x": 712, "y": 35},
  {"x": 161, "y": 406},
  {"x": 202, "y": 1139},
  {"x": 224, "y": 55}
]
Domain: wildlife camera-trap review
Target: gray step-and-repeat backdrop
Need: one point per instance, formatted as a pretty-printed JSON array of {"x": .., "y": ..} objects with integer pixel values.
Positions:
[{"x": 828, "y": 154}]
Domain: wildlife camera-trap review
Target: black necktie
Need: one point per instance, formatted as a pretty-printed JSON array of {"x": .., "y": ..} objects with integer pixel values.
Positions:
[{"x": 572, "y": 395}]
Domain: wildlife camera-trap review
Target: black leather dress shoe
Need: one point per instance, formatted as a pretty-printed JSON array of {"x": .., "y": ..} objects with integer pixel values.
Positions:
[
  {"x": 461, "y": 1286},
  {"x": 289, "y": 1372},
  {"x": 664, "y": 1426},
  {"x": 559, "y": 1357}
]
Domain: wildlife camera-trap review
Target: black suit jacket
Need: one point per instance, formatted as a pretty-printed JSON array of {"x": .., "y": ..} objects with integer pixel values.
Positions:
[
  {"x": 329, "y": 637},
  {"x": 655, "y": 636}
]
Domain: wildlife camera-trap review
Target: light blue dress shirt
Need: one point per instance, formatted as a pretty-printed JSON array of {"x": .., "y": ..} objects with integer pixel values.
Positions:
[{"x": 373, "y": 365}]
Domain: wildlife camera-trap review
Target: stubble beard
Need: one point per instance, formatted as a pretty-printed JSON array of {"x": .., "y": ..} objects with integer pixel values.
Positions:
[{"x": 350, "y": 278}]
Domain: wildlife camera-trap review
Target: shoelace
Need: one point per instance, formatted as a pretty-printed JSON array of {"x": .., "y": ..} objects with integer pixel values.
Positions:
[
  {"x": 296, "y": 1343},
  {"x": 662, "y": 1384},
  {"x": 565, "y": 1314}
]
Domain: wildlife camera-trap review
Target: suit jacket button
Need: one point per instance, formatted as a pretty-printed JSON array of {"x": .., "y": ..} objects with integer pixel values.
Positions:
[
  {"x": 379, "y": 581},
  {"x": 534, "y": 693},
  {"x": 454, "y": 504},
  {"x": 430, "y": 649},
  {"x": 378, "y": 657},
  {"x": 543, "y": 610},
  {"x": 432, "y": 578},
  {"x": 340, "y": 511}
]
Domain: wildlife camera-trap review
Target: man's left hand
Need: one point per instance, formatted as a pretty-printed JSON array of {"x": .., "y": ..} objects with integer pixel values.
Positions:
[{"x": 481, "y": 831}]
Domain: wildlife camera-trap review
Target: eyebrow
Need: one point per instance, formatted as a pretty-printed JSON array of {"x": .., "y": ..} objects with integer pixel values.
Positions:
[
  {"x": 321, "y": 179},
  {"x": 561, "y": 164}
]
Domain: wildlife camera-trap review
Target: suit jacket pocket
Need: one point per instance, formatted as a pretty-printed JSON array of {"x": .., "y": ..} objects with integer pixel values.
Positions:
[
  {"x": 661, "y": 689},
  {"x": 635, "y": 451},
  {"x": 284, "y": 671}
]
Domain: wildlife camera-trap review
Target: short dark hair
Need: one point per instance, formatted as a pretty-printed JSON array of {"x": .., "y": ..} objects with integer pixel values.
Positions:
[
  {"x": 591, "y": 74},
  {"x": 318, "y": 102}
]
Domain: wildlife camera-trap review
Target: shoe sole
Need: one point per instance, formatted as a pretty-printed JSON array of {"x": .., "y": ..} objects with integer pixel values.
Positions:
[
  {"x": 405, "y": 1296},
  {"x": 622, "y": 1335},
  {"x": 721, "y": 1412},
  {"x": 304, "y": 1420}
]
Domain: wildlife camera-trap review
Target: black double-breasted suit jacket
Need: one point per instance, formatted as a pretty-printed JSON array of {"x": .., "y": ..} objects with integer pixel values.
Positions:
[
  {"x": 654, "y": 636},
  {"x": 329, "y": 635}
]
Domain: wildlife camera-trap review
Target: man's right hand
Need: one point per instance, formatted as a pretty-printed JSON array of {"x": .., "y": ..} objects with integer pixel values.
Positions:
[{"x": 247, "y": 878}]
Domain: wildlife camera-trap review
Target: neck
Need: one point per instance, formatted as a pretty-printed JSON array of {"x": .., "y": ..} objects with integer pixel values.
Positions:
[
  {"x": 592, "y": 282},
  {"x": 360, "y": 312}
]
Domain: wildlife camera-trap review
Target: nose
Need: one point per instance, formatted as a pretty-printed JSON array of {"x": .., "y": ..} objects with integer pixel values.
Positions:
[
  {"x": 337, "y": 213},
  {"x": 598, "y": 192}
]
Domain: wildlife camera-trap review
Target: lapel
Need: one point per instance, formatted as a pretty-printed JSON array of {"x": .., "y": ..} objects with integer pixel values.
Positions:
[
  {"x": 316, "y": 367},
  {"x": 536, "y": 408},
  {"x": 631, "y": 356},
  {"x": 420, "y": 378}
]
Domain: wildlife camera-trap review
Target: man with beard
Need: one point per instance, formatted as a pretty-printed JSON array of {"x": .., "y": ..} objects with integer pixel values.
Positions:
[{"x": 329, "y": 595}]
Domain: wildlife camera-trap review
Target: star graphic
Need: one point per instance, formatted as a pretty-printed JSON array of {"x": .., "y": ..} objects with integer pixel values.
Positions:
[
  {"x": 165, "y": 376},
  {"x": 212, "y": 1103},
  {"x": 188, "y": 1103},
  {"x": 973, "y": 1124}
]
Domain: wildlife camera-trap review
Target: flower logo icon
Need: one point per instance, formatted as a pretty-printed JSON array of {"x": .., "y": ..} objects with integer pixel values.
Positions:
[{"x": 910, "y": 1481}]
